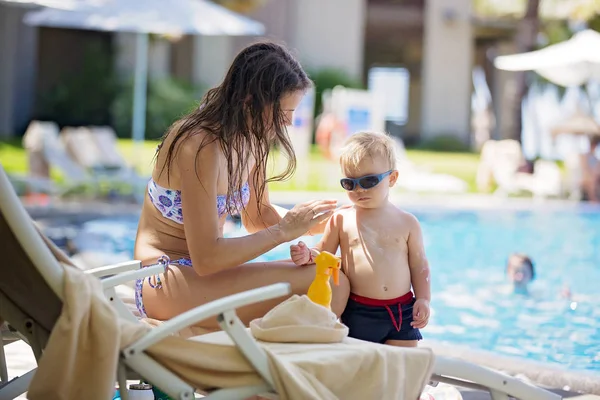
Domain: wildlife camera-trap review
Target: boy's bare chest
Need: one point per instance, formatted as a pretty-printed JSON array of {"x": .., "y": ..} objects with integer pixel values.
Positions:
[{"x": 377, "y": 233}]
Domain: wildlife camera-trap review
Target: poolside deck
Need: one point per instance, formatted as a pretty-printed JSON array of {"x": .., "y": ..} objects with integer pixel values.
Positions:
[{"x": 288, "y": 199}]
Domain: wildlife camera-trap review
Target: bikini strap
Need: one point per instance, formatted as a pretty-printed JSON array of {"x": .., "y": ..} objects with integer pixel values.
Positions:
[{"x": 164, "y": 260}]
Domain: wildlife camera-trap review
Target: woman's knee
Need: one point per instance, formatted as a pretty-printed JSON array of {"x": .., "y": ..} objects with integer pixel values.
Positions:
[
  {"x": 340, "y": 292},
  {"x": 340, "y": 296}
]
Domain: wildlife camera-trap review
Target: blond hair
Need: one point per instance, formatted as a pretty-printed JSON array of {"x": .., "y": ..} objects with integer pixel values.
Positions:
[{"x": 367, "y": 144}]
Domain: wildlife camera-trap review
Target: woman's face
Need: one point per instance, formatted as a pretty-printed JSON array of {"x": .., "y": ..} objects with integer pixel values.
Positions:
[{"x": 289, "y": 103}]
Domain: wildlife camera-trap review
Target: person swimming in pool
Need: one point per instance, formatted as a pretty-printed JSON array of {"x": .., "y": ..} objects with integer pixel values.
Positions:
[{"x": 520, "y": 271}]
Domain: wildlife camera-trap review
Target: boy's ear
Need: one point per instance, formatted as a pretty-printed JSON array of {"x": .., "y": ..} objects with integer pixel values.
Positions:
[{"x": 393, "y": 178}]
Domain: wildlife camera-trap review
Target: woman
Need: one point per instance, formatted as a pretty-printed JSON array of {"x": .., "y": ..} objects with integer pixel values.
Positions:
[{"x": 212, "y": 163}]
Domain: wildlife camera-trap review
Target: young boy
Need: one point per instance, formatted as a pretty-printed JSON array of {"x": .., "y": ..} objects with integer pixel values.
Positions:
[{"x": 381, "y": 248}]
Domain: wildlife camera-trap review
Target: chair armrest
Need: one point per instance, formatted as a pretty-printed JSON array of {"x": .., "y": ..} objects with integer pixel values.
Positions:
[
  {"x": 128, "y": 276},
  {"x": 494, "y": 381},
  {"x": 205, "y": 311},
  {"x": 115, "y": 269}
]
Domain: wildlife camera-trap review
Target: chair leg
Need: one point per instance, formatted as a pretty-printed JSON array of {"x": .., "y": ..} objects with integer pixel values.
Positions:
[
  {"x": 3, "y": 366},
  {"x": 17, "y": 386},
  {"x": 233, "y": 326},
  {"x": 496, "y": 395},
  {"x": 122, "y": 378}
]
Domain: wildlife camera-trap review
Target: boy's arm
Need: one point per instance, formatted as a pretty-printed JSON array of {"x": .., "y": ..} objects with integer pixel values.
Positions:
[
  {"x": 331, "y": 237},
  {"x": 417, "y": 261}
]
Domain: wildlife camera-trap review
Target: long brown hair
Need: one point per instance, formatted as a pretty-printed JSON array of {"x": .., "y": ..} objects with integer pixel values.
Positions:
[{"x": 260, "y": 75}]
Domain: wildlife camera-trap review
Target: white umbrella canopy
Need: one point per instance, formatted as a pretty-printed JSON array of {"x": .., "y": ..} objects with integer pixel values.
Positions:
[
  {"x": 64, "y": 4},
  {"x": 579, "y": 123},
  {"x": 175, "y": 17},
  {"x": 570, "y": 63},
  {"x": 170, "y": 17}
]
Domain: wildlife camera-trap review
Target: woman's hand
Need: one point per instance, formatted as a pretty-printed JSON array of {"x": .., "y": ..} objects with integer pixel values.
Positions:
[
  {"x": 320, "y": 227},
  {"x": 305, "y": 216}
]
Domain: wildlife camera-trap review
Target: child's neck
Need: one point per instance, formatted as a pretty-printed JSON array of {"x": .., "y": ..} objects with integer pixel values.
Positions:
[{"x": 384, "y": 204}]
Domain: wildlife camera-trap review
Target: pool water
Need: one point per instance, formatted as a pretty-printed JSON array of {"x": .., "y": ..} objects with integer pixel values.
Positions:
[{"x": 471, "y": 303}]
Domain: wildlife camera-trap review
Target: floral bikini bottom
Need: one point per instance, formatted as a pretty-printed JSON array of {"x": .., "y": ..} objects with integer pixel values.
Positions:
[{"x": 154, "y": 281}]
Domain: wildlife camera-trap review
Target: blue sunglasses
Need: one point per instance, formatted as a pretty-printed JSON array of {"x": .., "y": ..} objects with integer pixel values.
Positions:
[{"x": 366, "y": 182}]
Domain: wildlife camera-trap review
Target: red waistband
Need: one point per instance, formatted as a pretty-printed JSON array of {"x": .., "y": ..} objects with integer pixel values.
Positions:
[{"x": 404, "y": 299}]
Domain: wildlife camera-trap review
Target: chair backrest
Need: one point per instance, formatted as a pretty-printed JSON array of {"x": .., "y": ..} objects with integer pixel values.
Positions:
[
  {"x": 81, "y": 146},
  {"x": 549, "y": 177},
  {"x": 106, "y": 140},
  {"x": 506, "y": 159},
  {"x": 32, "y": 278},
  {"x": 55, "y": 152},
  {"x": 33, "y": 139}
]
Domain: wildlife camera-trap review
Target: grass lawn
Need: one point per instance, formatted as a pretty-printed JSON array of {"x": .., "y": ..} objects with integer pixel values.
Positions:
[
  {"x": 13, "y": 157},
  {"x": 318, "y": 174}
]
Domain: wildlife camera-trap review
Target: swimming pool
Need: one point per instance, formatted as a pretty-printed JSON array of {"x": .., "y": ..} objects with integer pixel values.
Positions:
[{"x": 467, "y": 251}]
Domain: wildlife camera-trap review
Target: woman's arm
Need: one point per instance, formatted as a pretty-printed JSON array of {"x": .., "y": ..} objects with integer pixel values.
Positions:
[
  {"x": 209, "y": 251},
  {"x": 269, "y": 215}
]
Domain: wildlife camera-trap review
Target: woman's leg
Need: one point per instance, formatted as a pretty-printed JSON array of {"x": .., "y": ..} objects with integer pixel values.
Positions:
[
  {"x": 182, "y": 289},
  {"x": 402, "y": 343}
]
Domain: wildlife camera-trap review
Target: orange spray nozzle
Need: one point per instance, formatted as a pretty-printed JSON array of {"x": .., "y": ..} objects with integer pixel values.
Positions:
[
  {"x": 329, "y": 264},
  {"x": 336, "y": 275}
]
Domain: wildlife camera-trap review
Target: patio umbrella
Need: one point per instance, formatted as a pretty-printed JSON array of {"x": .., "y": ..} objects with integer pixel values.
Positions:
[
  {"x": 578, "y": 124},
  {"x": 570, "y": 63},
  {"x": 171, "y": 17},
  {"x": 64, "y": 4}
]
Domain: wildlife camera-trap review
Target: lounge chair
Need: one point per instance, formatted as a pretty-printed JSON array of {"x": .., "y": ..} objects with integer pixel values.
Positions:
[
  {"x": 105, "y": 139},
  {"x": 43, "y": 152},
  {"x": 78, "y": 159},
  {"x": 499, "y": 163},
  {"x": 33, "y": 266},
  {"x": 33, "y": 287},
  {"x": 573, "y": 176},
  {"x": 95, "y": 149},
  {"x": 416, "y": 178},
  {"x": 79, "y": 144}
]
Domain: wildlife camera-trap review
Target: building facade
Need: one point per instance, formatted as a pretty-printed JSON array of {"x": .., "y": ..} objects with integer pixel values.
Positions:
[{"x": 438, "y": 41}]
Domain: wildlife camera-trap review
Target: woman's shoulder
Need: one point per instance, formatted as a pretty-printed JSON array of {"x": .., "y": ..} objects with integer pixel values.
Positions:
[
  {"x": 190, "y": 145},
  {"x": 185, "y": 150}
]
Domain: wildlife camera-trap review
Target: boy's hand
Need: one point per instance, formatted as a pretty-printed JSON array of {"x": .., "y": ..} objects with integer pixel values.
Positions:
[
  {"x": 300, "y": 253},
  {"x": 420, "y": 314}
]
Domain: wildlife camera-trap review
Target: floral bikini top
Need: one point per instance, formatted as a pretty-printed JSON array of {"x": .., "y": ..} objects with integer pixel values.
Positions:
[{"x": 168, "y": 201}]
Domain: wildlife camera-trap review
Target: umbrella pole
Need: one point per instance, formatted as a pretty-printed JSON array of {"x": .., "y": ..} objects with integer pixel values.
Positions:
[{"x": 140, "y": 85}]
